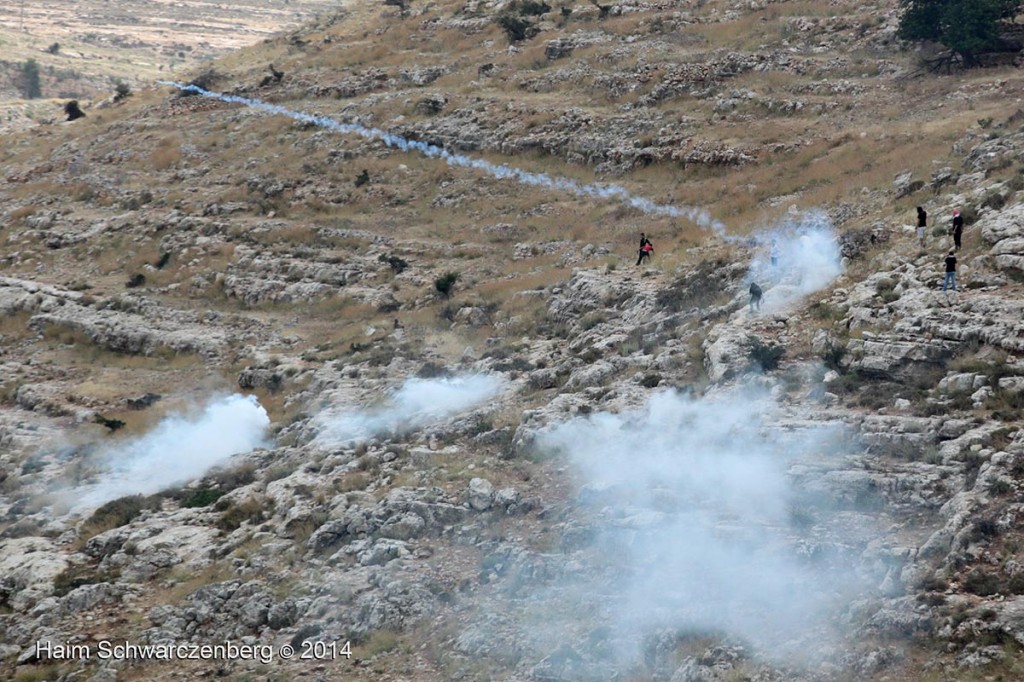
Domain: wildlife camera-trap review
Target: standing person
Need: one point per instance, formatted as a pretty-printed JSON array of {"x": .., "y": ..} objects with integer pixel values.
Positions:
[
  {"x": 773, "y": 253},
  {"x": 950, "y": 271},
  {"x": 958, "y": 228},
  {"x": 755, "y": 296},
  {"x": 646, "y": 249},
  {"x": 922, "y": 223}
]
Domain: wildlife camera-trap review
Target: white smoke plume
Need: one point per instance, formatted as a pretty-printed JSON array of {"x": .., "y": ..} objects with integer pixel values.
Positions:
[
  {"x": 698, "y": 524},
  {"x": 500, "y": 171},
  {"x": 806, "y": 258},
  {"x": 416, "y": 403},
  {"x": 178, "y": 449}
]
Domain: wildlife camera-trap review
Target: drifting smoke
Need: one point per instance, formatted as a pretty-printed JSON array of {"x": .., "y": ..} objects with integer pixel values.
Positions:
[
  {"x": 500, "y": 171},
  {"x": 177, "y": 450},
  {"x": 699, "y": 531},
  {"x": 807, "y": 258},
  {"x": 418, "y": 402}
]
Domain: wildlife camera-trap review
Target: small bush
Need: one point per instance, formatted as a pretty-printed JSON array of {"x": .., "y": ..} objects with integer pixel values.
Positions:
[
  {"x": 122, "y": 91},
  {"x": 135, "y": 281},
  {"x": 445, "y": 284},
  {"x": 394, "y": 262},
  {"x": 592, "y": 319},
  {"x": 516, "y": 28},
  {"x": 650, "y": 380},
  {"x": 999, "y": 487},
  {"x": 204, "y": 80},
  {"x": 984, "y": 529},
  {"x": 1016, "y": 584},
  {"x": 229, "y": 479},
  {"x": 822, "y": 310},
  {"x": 833, "y": 356},
  {"x": 381, "y": 641},
  {"x": 766, "y": 356},
  {"x": 980, "y": 583},
  {"x": 885, "y": 290},
  {"x": 117, "y": 513},
  {"x": 75, "y": 576},
  {"x": 203, "y": 497},
  {"x": 362, "y": 179},
  {"x": 112, "y": 424},
  {"x": 432, "y": 370},
  {"x": 249, "y": 510}
]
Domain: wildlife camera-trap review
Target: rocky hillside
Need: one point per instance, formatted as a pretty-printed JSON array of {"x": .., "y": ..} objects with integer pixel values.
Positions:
[
  {"x": 268, "y": 385},
  {"x": 86, "y": 48}
]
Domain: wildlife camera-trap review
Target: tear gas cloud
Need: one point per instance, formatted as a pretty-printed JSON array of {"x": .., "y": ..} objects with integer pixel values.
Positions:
[
  {"x": 416, "y": 403},
  {"x": 698, "y": 525},
  {"x": 178, "y": 449},
  {"x": 500, "y": 171},
  {"x": 807, "y": 258}
]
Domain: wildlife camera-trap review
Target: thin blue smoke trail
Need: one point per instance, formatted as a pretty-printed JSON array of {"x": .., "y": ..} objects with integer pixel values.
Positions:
[{"x": 500, "y": 171}]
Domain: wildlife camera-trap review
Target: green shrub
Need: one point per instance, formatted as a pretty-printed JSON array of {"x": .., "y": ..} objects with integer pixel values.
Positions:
[
  {"x": 516, "y": 28},
  {"x": 229, "y": 479},
  {"x": 445, "y": 284},
  {"x": 397, "y": 264},
  {"x": 203, "y": 497},
  {"x": 117, "y": 513},
  {"x": 249, "y": 510},
  {"x": 30, "y": 84},
  {"x": 833, "y": 356},
  {"x": 122, "y": 91},
  {"x": 980, "y": 583},
  {"x": 76, "y": 576},
  {"x": 766, "y": 356},
  {"x": 530, "y": 8}
]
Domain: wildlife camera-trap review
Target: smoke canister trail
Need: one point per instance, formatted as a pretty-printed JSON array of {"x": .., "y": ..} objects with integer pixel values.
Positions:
[{"x": 500, "y": 171}]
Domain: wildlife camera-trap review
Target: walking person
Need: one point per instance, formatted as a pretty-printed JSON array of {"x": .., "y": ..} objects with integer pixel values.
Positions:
[
  {"x": 646, "y": 249},
  {"x": 755, "y": 296},
  {"x": 958, "y": 228},
  {"x": 922, "y": 223},
  {"x": 950, "y": 271}
]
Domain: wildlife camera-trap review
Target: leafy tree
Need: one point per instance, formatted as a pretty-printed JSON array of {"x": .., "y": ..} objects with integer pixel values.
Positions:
[
  {"x": 30, "y": 87},
  {"x": 967, "y": 27},
  {"x": 122, "y": 91}
]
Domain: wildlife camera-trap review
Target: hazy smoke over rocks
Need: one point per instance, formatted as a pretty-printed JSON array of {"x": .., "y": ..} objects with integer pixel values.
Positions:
[
  {"x": 416, "y": 403},
  {"x": 700, "y": 525},
  {"x": 807, "y": 258},
  {"x": 178, "y": 449}
]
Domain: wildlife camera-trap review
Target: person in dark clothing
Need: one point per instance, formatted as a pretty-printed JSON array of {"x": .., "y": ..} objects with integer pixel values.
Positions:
[
  {"x": 958, "y": 228},
  {"x": 950, "y": 271},
  {"x": 755, "y": 296},
  {"x": 646, "y": 249},
  {"x": 922, "y": 223}
]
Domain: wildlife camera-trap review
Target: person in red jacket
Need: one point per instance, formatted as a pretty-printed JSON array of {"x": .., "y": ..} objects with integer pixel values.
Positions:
[{"x": 646, "y": 249}]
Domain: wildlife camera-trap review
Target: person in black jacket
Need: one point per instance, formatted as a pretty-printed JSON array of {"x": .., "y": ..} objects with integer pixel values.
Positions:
[
  {"x": 755, "y": 296},
  {"x": 646, "y": 249},
  {"x": 958, "y": 228},
  {"x": 950, "y": 271},
  {"x": 922, "y": 223}
]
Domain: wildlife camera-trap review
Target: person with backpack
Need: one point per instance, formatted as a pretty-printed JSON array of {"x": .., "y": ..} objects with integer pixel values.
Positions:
[
  {"x": 958, "y": 228},
  {"x": 950, "y": 271},
  {"x": 755, "y": 296},
  {"x": 922, "y": 223},
  {"x": 646, "y": 249}
]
